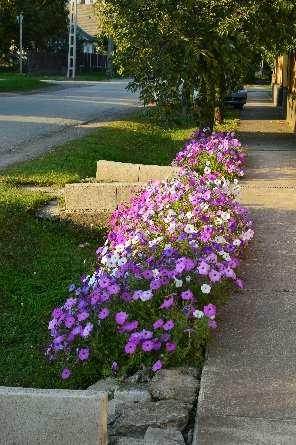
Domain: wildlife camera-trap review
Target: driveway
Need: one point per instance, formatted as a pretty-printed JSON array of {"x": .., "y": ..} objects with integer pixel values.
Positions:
[{"x": 31, "y": 124}]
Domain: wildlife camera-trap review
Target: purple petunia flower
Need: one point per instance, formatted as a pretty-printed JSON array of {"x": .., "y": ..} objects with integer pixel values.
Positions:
[
  {"x": 57, "y": 312},
  {"x": 130, "y": 348},
  {"x": 121, "y": 317},
  {"x": 187, "y": 295},
  {"x": 158, "y": 324},
  {"x": 82, "y": 315},
  {"x": 83, "y": 354},
  {"x": 170, "y": 347},
  {"x": 114, "y": 366},
  {"x": 157, "y": 366},
  {"x": 210, "y": 310},
  {"x": 147, "y": 345},
  {"x": 169, "y": 325},
  {"x": 214, "y": 276},
  {"x": 131, "y": 326},
  {"x": 69, "y": 321},
  {"x": 104, "y": 313},
  {"x": 167, "y": 303},
  {"x": 66, "y": 373}
]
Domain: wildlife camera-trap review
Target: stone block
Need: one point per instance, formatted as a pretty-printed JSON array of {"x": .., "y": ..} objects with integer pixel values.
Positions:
[
  {"x": 162, "y": 436},
  {"x": 134, "y": 418},
  {"x": 92, "y": 196},
  {"x": 53, "y": 417},
  {"x": 108, "y": 385},
  {"x": 125, "y": 192},
  {"x": 127, "y": 441},
  {"x": 156, "y": 172},
  {"x": 174, "y": 384},
  {"x": 135, "y": 394},
  {"x": 109, "y": 171}
]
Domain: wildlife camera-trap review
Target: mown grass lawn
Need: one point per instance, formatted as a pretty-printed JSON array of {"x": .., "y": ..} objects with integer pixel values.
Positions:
[
  {"x": 11, "y": 82},
  {"x": 39, "y": 259}
]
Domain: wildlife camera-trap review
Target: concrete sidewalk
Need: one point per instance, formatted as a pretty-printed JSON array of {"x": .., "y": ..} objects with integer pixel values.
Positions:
[{"x": 248, "y": 388}]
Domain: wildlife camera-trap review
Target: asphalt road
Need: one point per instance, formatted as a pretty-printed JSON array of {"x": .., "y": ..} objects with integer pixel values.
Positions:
[{"x": 31, "y": 124}]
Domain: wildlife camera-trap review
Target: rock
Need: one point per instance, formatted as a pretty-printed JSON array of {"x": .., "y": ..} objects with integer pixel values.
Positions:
[
  {"x": 135, "y": 418},
  {"x": 190, "y": 370},
  {"x": 136, "y": 393},
  {"x": 160, "y": 436},
  {"x": 174, "y": 384},
  {"x": 189, "y": 437},
  {"x": 127, "y": 441},
  {"x": 50, "y": 211},
  {"x": 109, "y": 385},
  {"x": 139, "y": 377}
]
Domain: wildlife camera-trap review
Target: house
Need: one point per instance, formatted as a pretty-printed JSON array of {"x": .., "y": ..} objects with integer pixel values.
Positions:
[
  {"x": 284, "y": 86},
  {"x": 87, "y": 25}
]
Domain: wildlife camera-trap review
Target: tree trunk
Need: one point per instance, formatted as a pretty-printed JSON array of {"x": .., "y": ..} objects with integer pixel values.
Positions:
[
  {"x": 206, "y": 107},
  {"x": 186, "y": 98},
  {"x": 219, "y": 115},
  {"x": 220, "y": 92}
]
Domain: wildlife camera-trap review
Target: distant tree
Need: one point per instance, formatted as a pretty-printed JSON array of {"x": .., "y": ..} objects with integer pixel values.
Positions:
[
  {"x": 175, "y": 49},
  {"x": 45, "y": 21}
]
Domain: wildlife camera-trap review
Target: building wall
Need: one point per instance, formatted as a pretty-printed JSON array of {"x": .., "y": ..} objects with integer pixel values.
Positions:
[
  {"x": 291, "y": 91},
  {"x": 284, "y": 86}
]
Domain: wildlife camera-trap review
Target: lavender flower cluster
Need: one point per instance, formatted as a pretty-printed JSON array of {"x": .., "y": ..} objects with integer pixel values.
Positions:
[
  {"x": 217, "y": 152},
  {"x": 166, "y": 261}
]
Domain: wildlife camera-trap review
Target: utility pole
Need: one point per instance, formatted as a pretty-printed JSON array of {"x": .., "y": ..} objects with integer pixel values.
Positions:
[
  {"x": 109, "y": 57},
  {"x": 72, "y": 40},
  {"x": 20, "y": 19}
]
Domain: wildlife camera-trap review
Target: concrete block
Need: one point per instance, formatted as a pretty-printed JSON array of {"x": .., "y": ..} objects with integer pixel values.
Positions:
[
  {"x": 156, "y": 172},
  {"x": 125, "y": 192},
  {"x": 109, "y": 171},
  {"x": 91, "y": 196},
  {"x": 52, "y": 417}
]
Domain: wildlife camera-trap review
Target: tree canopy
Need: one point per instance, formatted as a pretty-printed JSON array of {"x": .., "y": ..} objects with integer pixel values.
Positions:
[
  {"x": 188, "y": 46},
  {"x": 44, "y": 20}
]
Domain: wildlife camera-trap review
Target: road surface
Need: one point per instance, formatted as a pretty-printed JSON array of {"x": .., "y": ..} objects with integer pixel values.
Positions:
[{"x": 31, "y": 124}]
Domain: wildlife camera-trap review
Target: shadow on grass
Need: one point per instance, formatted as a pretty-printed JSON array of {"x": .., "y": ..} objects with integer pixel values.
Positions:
[{"x": 38, "y": 261}]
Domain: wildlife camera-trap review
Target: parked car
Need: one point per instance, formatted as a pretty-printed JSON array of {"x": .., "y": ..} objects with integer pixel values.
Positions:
[{"x": 237, "y": 98}]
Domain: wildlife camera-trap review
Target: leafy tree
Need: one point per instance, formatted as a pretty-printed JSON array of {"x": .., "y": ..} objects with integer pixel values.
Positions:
[
  {"x": 44, "y": 21},
  {"x": 191, "y": 52}
]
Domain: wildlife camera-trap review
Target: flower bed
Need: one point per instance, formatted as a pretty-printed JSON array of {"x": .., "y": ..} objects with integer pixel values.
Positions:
[
  {"x": 169, "y": 261},
  {"x": 218, "y": 152}
]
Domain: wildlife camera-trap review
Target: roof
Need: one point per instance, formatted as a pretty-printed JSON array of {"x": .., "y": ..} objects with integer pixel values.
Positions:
[{"x": 87, "y": 21}]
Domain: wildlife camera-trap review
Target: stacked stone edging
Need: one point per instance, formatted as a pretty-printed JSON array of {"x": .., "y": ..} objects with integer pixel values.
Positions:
[{"x": 157, "y": 412}]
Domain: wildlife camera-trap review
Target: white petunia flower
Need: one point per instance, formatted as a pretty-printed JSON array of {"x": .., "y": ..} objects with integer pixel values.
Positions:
[
  {"x": 198, "y": 314},
  {"x": 178, "y": 283},
  {"x": 237, "y": 242},
  {"x": 206, "y": 288}
]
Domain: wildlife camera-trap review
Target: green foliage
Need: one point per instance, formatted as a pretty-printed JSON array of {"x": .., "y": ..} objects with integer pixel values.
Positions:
[
  {"x": 44, "y": 21},
  {"x": 179, "y": 50}
]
